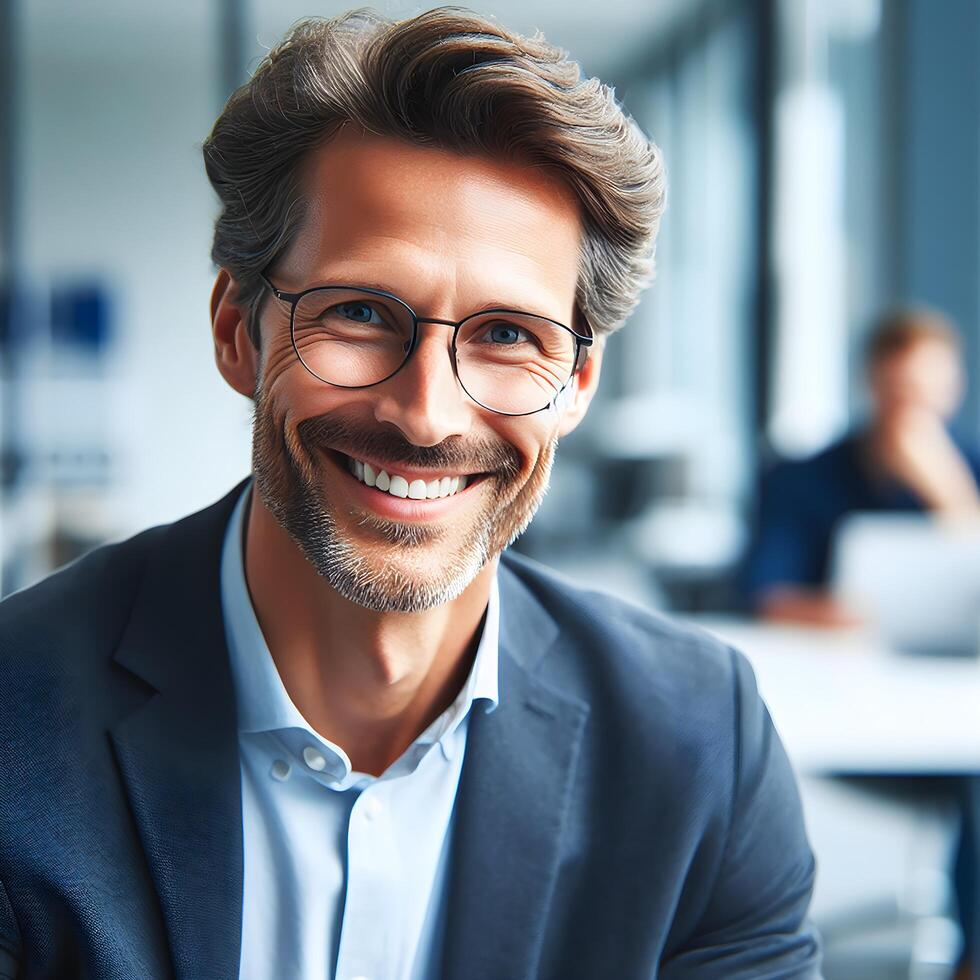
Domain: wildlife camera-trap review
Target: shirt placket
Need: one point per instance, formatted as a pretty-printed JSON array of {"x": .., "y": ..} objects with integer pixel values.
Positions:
[{"x": 369, "y": 940}]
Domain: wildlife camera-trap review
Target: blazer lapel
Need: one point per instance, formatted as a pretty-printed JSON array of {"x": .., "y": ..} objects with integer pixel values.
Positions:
[
  {"x": 511, "y": 807},
  {"x": 178, "y": 753}
]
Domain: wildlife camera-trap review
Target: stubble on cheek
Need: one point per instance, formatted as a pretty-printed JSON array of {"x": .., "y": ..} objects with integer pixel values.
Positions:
[
  {"x": 510, "y": 522},
  {"x": 303, "y": 462},
  {"x": 283, "y": 473}
]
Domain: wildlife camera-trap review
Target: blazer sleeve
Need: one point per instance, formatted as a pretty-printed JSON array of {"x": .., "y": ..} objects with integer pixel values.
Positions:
[{"x": 755, "y": 920}]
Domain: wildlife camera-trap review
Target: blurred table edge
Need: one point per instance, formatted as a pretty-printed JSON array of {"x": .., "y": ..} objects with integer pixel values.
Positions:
[{"x": 845, "y": 704}]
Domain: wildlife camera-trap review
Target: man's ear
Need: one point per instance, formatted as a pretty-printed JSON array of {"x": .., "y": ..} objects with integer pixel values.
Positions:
[
  {"x": 234, "y": 352},
  {"x": 581, "y": 389}
]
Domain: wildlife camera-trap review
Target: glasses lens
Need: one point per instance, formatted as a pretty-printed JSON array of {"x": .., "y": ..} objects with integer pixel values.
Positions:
[
  {"x": 514, "y": 362},
  {"x": 350, "y": 337}
]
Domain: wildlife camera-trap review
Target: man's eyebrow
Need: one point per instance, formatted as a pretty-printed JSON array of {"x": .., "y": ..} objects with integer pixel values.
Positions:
[{"x": 487, "y": 304}]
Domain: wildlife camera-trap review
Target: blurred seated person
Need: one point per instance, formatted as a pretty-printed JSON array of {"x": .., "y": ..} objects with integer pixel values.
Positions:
[{"x": 904, "y": 458}]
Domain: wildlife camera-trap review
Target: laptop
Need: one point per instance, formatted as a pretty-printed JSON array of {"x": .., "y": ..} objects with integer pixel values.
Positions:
[{"x": 915, "y": 576}]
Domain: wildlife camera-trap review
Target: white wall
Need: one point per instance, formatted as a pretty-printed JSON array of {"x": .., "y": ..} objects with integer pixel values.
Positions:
[{"x": 114, "y": 102}]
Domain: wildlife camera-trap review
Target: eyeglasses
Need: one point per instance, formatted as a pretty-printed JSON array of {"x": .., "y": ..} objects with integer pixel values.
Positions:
[{"x": 507, "y": 361}]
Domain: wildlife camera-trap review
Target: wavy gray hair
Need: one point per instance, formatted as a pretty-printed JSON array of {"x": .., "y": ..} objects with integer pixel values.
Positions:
[{"x": 448, "y": 78}]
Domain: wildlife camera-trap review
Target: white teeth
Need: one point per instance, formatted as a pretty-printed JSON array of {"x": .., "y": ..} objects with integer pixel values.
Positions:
[{"x": 398, "y": 486}]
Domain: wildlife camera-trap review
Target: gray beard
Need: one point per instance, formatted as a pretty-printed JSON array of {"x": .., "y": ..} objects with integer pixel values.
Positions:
[{"x": 285, "y": 477}]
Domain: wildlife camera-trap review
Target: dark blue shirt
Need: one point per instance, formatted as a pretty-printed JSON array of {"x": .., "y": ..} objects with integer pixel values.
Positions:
[{"x": 800, "y": 504}]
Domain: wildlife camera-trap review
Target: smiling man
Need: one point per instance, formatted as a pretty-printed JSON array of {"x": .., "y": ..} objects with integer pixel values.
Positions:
[{"x": 330, "y": 726}]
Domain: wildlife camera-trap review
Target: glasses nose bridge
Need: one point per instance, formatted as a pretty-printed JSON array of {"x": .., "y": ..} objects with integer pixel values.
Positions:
[
  {"x": 454, "y": 324},
  {"x": 434, "y": 319},
  {"x": 417, "y": 338}
]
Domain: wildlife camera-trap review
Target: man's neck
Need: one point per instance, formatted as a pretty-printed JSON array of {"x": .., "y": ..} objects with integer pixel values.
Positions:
[{"x": 370, "y": 682}]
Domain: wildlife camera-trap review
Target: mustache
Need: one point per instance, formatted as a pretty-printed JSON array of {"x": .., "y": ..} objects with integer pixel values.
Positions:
[{"x": 453, "y": 454}]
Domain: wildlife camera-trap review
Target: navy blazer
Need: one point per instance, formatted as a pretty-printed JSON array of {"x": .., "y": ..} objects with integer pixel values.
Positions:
[{"x": 627, "y": 811}]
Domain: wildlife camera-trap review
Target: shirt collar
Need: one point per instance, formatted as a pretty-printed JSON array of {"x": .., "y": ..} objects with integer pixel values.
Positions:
[
  {"x": 481, "y": 685},
  {"x": 264, "y": 704}
]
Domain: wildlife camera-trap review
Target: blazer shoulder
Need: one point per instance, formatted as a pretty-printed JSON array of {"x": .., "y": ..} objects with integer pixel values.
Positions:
[
  {"x": 656, "y": 651},
  {"x": 82, "y": 605},
  {"x": 85, "y": 605}
]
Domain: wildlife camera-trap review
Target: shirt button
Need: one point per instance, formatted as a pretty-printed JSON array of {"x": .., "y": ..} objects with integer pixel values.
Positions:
[
  {"x": 314, "y": 759},
  {"x": 280, "y": 770},
  {"x": 372, "y": 807}
]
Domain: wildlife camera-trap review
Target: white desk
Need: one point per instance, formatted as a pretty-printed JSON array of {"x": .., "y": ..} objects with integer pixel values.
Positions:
[{"x": 843, "y": 704}]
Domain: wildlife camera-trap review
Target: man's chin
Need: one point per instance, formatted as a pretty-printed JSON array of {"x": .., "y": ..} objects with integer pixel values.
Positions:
[
  {"x": 404, "y": 534},
  {"x": 406, "y": 585}
]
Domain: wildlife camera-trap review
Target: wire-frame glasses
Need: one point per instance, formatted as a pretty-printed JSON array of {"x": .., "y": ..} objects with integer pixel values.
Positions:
[{"x": 507, "y": 361}]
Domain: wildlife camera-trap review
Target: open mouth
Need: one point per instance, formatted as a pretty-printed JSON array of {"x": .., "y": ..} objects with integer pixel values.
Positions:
[{"x": 393, "y": 484}]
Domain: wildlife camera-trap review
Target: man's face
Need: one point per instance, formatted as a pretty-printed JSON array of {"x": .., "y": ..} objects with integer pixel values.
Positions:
[
  {"x": 450, "y": 235},
  {"x": 927, "y": 376}
]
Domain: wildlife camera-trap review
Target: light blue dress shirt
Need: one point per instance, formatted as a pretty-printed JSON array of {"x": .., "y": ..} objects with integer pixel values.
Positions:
[{"x": 345, "y": 873}]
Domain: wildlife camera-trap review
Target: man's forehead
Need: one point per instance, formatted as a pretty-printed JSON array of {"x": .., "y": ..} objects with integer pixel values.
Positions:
[
  {"x": 363, "y": 190},
  {"x": 398, "y": 171}
]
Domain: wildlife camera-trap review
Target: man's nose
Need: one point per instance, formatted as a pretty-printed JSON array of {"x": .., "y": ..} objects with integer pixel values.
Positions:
[{"x": 424, "y": 399}]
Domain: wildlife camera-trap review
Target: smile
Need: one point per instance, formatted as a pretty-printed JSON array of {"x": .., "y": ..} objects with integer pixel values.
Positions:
[{"x": 400, "y": 486}]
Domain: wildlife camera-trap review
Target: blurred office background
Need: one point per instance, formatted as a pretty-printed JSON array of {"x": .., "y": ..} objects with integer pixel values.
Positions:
[{"x": 824, "y": 162}]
